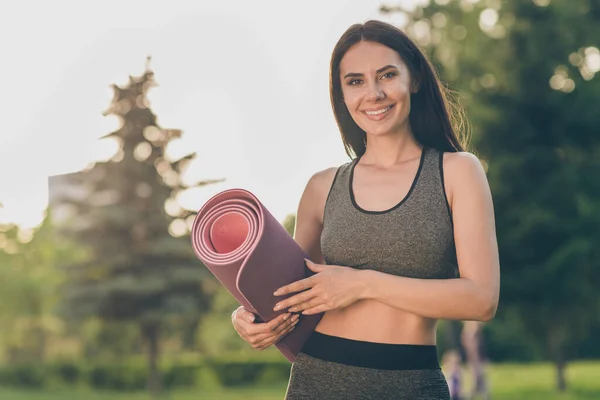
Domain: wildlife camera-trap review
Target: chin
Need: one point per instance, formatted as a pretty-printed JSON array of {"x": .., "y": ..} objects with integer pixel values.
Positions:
[
  {"x": 380, "y": 129},
  {"x": 385, "y": 127}
]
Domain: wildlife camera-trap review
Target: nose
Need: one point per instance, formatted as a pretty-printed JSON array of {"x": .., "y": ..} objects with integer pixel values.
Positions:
[{"x": 375, "y": 93}]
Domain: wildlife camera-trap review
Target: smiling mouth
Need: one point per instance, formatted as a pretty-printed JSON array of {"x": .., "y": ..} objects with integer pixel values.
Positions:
[{"x": 381, "y": 111}]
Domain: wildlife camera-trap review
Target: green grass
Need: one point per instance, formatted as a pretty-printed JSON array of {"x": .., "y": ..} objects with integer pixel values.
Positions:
[
  {"x": 538, "y": 381},
  {"x": 263, "y": 393},
  {"x": 508, "y": 382}
]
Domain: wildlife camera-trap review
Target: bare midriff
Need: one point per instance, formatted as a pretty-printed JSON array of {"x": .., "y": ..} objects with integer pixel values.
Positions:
[{"x": 372, "y": 321}]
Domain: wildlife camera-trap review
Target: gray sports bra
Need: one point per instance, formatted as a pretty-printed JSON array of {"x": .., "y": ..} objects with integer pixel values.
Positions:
[{"x": 413, "y": 239}]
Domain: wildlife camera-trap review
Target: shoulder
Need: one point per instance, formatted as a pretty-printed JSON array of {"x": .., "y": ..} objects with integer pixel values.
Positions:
[
  {"x": 320, "y": 182},
  {"x": 462, "y": 163},
  {"x": 317, "y": 189},
  {"x": 464, "y": 172}
]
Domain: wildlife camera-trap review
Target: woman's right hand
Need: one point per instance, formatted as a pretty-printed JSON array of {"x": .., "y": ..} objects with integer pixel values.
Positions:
[{"x": 262, "y": 335}]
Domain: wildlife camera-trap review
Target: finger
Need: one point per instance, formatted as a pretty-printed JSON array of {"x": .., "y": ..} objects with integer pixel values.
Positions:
[
  {"x": 238, "y": 312},
  {"x": 285, "y": 332},
  {"x": 316, "y": 267},
  {"x": 296, "y": 286},
  {"x": 272, "y": 340},
  {"x": 295, "y": 300},
  {"x": 283, "y": 325},
  {"x": 260, "y": 339},
  {"x": 288, "y": 322},
  {"x": 265, "y": 327},
  {"x": 277, "y": 321},
  {"x": 314, "y": 302},
  {"x": 263, "y": 337},
  {"x": 245, "y": 314},
  {"x": 316, "y": 310},
  {"x": 238, "y": 323}
]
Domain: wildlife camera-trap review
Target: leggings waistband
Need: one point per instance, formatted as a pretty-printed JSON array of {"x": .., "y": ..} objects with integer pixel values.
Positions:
[{"x": 371, "y": 355}]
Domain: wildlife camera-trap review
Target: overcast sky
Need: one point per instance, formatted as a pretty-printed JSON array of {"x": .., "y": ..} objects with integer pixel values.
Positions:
[{"x": 246, "y": 81}]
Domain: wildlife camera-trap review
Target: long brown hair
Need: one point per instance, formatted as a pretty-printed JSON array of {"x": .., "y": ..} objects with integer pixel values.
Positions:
[{"x": 436, "y": 121}]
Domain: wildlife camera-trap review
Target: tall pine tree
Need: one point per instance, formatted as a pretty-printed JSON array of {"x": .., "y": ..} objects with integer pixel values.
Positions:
[{"x": 137, "y": 269}]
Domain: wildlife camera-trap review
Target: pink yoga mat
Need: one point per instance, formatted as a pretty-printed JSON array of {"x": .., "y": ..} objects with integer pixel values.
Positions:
[{"x": 252, "y": 255}]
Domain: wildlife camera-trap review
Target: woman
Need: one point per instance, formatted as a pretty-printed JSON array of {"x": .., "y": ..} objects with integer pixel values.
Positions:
[{"x": 399, "y": 237}]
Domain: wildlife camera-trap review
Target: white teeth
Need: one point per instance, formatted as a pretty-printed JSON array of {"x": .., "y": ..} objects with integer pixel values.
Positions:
[{"x": 378, "y": 111}]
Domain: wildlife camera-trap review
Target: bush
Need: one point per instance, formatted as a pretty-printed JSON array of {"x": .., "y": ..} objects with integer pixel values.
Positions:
[
  {"x": 274, "y": 373},
  {"x": 24, "y": 375},
  {"x": 131, "y": 376},
  {"x": 68, "y": 372},
  {"x": 249, "y": 372},
  {"x": 117, "y": 377},
  {"x": 181, "y": 376}
]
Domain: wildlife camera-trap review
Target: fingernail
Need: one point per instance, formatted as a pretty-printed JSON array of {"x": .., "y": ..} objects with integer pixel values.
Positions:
[
  {"x": 295, "y": 317},
  {"x": 277, "y": 292},
  {"x": 286, "y": 316},
  {"x": 250, "y": 319},
  {"x": 277, "y": 307}
]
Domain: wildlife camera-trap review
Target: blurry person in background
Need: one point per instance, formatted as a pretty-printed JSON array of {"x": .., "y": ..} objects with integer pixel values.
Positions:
[
  {"x": 472, "y": 342},
  {"x": 451, "y": 363}
]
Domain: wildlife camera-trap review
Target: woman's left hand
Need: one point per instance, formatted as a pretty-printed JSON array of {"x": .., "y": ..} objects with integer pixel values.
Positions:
[{"x": 331, "y": 287}]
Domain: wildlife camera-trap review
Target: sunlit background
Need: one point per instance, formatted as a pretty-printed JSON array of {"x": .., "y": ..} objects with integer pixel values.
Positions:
[
  {"x": 101, "y": 295},
  {"x": 246, "y": 82}
]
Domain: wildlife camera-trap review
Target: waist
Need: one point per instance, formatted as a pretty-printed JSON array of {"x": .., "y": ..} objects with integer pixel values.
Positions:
[
  {"x": 372, "y": 321},
  {"x": 382, "y": 356}
]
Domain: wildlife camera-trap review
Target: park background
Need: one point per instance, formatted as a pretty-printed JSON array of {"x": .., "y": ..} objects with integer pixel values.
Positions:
[{"x": 121, "y": 118}]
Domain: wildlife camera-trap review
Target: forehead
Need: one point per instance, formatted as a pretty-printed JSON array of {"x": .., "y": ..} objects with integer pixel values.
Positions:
[{"x": 366, "y": 57}]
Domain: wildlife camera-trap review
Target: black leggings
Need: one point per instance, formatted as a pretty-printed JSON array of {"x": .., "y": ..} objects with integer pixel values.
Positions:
[{"x": 331, "y": 368}]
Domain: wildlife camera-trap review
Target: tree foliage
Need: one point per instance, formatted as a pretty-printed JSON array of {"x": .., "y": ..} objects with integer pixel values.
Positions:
[
  {"x": 526, "y": 72},
  {"x": 142, "y": 267}
]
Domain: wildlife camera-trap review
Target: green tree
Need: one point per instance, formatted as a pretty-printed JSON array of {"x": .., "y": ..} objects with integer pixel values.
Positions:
[
  {"x": 29, "y": 281},
  {"x": 289, "y": 223},
  {"x": 526, "y": 74},
  {"x": 142, "y": 268}
]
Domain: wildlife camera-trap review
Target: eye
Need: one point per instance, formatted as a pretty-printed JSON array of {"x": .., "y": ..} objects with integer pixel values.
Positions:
[
  {"x": 354, "y": 82},
  {"x": 388, "y": 75}
]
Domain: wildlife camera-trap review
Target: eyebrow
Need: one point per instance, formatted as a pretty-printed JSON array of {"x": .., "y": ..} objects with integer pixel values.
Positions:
[{"x": 353, "y": 74}]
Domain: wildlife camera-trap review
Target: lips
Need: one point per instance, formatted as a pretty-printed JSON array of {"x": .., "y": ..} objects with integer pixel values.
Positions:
[{"x": 377, "y": 114}]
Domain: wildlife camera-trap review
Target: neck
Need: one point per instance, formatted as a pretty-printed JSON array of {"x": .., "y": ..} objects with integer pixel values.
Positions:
[{"x": 385, "y": 151}]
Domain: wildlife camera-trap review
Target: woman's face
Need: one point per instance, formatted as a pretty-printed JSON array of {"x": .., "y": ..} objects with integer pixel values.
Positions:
[{"x": 376, "y": 86}]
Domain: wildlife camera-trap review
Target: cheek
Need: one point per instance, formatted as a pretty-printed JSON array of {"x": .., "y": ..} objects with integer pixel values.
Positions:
[
  {"x": 401, "y": 91},
  {"x": 352, "y": 100}
]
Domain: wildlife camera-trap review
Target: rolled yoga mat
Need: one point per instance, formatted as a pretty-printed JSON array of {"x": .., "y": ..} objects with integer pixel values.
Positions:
[{"x": 252, "y": 255}]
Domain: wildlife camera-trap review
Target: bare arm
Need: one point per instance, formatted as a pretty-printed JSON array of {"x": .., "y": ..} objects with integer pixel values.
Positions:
[
  {"x": 473, "y": 296},
  {"x": 309, "y": 218}
]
